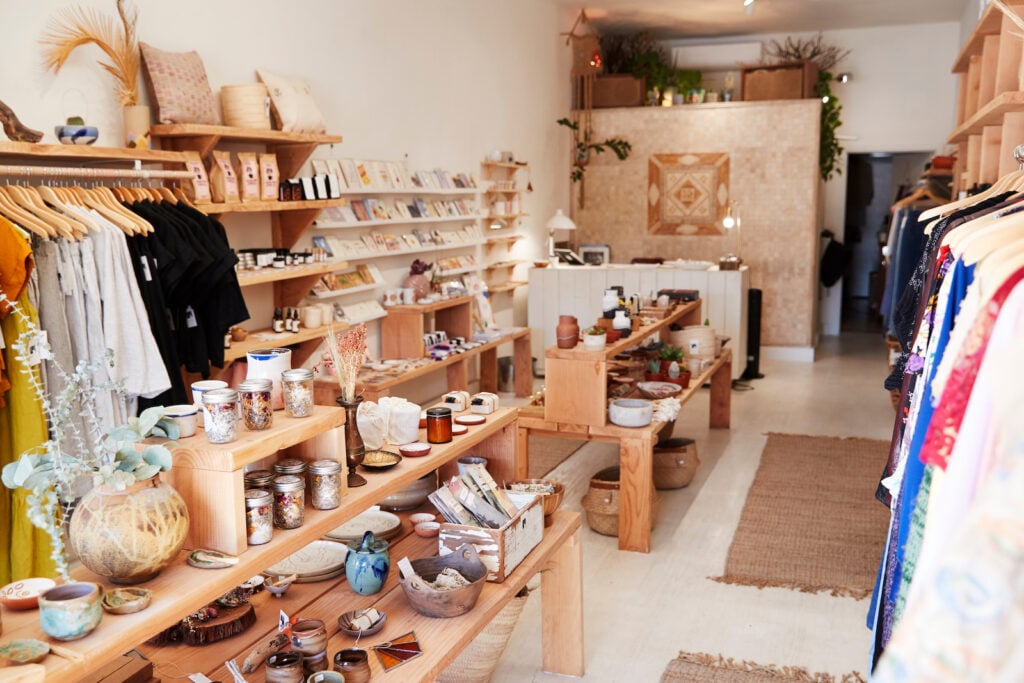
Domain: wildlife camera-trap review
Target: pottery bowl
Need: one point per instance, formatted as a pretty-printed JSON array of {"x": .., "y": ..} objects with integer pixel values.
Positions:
[
  {"x": 655, "y": 390},
  {"x": 76, "y": 135},
  {"x": 549, "y": 501},
  {"x": 126, "y": 600},
  {"x": 380, "y": 460},
  {"x": 25, "y": 594},
  {"x": 345, "y": 619},
  {"x": 419, "y": 517},
  {"x": 413, "y": 495},
  {"x": 630, "y": 412},
  {"x": 427, "y": 529},
  {"x": 278, "y": 590},
  {"x": 435, "y": 603}
]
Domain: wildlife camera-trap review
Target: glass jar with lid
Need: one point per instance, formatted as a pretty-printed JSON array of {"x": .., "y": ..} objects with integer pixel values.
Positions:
[
  {"x": 258, "y": 479},
  {"x": 289, "y": 501},
  {"x": 296, "y": 466},
  {"x": 257, "y": 409},
  {"x": 259, "y": 517},
  {"x": 439, "y": 425},
  {"x": 222, "y": 407},
  {"x": 298, "y": 392},
  {"x": 325, "y": 484}
]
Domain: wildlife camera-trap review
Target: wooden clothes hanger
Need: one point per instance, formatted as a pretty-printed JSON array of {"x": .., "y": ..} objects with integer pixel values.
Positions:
[
  {"x": 36, "y": 197},
  {"x": 23, "y": 198},
  {"x": 999, "y": 234},
  {"x": 94, "y": 201},
  {"x": 996, "y": 268},
  {"x": 50, "y": 196},
  {"x": 144, "y": 226},
  {"x": 21, "y": 217}
]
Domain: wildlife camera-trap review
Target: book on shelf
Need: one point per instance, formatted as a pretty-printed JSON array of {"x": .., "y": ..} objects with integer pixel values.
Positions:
[
  {"x": 411, "y": 241},
  {"x": 381, "y": 177},
  {"x": 414, "y": 211},
  {"x": 395, "y": 175},
  {"x": 377, "y": 210},
  {"x": 421, "y": 208},
  {"x": 400, "y": 210}
]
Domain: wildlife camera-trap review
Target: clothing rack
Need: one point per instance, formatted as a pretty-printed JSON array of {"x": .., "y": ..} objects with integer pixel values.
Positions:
[{"x": 137, "y": 173}]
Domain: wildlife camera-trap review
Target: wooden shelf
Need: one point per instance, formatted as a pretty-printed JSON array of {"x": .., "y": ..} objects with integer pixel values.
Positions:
[
  {"x": 518, "y": 190},
  {"x": 262, "y": 339},
  {"x": 504, "y": 164},
  {"x": 334, "y": 294},
  {"x": 44, "y": 151},
  {"x": 321, "y": 225},
  {"x": 497, "y": 265},
  {"x": 611, "y": 350},
  {"x": 498, "y": 239},
  {"x": 506, "y": 216},
  {"x": 989, "y": 115},
  {"x": 248, "y": 278},
  {"x": 292, "y": 149},
  {"x": 430, "y": 308},
  {"x": 989, "y": 24},
  {"x": 261, "y": 206},
  {"x": 414, "y": 191},
  {"x": 509, "y": 286}
]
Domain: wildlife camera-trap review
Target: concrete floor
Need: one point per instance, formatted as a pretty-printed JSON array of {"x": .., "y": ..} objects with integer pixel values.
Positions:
[{"x": 641, "y": 609}]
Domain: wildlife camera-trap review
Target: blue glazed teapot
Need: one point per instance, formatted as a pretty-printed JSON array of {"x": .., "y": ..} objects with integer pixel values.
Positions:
[{"x": 367, "y": 564}]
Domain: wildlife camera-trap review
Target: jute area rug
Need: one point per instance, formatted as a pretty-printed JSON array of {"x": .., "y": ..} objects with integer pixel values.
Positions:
[
  {"x": 547, "y": 453},
  {"x": 689, "y": 667},
  {"x": 811, "y": 521}
]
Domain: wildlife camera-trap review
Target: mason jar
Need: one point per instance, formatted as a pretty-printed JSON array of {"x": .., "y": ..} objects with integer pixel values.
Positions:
[
  {"x": 222, "y": 407},
  {"x": 259, "y": 516},
  {"x": 325, "y": 484},
  {"x": 298, "y": 392},
  {"x": 257, "y": 409},
  {"x": 258, "y": 479},
  {"x": 289, "y": 501}
]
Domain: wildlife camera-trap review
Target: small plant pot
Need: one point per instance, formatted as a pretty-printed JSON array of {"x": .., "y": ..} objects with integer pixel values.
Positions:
[
  {"x": 594, "y": 342},
  {"x": 682, "y": 380},
  {"x": 654, "y": 377}
]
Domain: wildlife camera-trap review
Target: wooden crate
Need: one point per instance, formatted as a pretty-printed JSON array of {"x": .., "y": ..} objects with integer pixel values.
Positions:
[
  {"x": 618, "y": 90},
  {"x": 500, "y": 549},
  {"x": 791, "y": 81}
]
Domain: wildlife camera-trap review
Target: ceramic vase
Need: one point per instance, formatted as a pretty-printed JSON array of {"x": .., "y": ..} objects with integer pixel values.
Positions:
[
  {"x": 367, "y": 564},
  {"x": 355, "y": 449},
  {"x": 622, "y": 323},
  {"x": 129, "y": 536},
  {"x": 567, "y": 333},
  {"x": 136, "y": 126},
  {"x": 419, "y": 283},
  {"x": 70, "y": 611}
]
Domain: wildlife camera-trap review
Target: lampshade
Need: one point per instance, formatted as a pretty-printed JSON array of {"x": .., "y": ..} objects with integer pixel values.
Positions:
[{"x": 560, "y": 222}]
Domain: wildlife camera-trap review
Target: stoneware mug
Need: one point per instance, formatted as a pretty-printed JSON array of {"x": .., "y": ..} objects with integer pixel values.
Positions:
[
  {"x": 328, "y": 677},
  {"x": 354, "y": 663},
  {"x": 70, "y": 611},
  {"x": 309, "y": 636}
]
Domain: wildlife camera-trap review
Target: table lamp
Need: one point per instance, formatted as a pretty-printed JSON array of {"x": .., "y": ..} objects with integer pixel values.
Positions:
[{"x": 557, "y": 222}]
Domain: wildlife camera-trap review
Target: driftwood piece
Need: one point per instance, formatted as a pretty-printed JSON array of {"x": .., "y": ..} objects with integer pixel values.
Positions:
[{"x": 15, "y": 129}]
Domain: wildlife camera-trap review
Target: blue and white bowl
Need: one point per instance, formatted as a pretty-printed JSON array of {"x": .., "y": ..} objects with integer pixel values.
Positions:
[{"x": 76, "y": 135}]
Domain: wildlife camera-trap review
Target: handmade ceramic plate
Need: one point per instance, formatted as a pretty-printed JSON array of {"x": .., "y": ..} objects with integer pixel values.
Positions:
[
  {"x": 24, "y": 651},
  {"x": 319, "y": 558},
  {"x": 384, "y": 526},
  {"x": 458, "y": 430},
  {"x": 25, "y": 594},
  {"x": 415, "y": 449},
  {"x": 210, "y": 559},
  {"x": 126, "y": 600},
  {"x": 470, "y": 419},
  {"x": 380, "y": 460}
]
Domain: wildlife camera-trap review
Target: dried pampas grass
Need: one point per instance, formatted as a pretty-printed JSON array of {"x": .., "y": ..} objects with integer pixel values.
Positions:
[{"x": 77, "y": 26}]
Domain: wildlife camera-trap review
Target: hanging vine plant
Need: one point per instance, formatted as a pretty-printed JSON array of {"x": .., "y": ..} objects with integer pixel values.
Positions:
[{"x": 584, "y": 148}]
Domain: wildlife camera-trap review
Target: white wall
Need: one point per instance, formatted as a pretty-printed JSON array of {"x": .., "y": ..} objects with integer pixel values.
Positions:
[{"x": 441, "y": 83}]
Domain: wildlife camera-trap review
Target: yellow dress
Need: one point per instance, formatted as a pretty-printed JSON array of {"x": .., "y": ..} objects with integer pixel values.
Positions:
[{"x": 22, "y": 424}]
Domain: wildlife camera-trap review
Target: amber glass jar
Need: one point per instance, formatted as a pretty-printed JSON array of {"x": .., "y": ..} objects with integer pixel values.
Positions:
[{"x": 439, "y": 425}]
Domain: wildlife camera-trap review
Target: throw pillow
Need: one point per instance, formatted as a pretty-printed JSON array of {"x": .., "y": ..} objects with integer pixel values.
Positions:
[
  {"x": 292, "y": 103},
  {"x": 178, "y": 87}
]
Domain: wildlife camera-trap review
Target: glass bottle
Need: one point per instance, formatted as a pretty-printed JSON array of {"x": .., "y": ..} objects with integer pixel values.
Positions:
[
  {"x": 439, "y": 425},
  {"x": 222, "y": 407}
]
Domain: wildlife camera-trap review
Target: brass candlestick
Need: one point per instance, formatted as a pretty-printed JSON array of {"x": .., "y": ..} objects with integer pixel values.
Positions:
[{"x": 355, "y": 450}]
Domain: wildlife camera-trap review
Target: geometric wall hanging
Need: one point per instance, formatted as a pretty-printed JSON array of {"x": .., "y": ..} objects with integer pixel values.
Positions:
[{"x": 687, "y": 194}]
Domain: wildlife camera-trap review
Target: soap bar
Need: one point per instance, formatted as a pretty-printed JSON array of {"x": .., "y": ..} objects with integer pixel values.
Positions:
[
  {"x": 456, "y": 400},
  {"x": 483, "y": 403}
]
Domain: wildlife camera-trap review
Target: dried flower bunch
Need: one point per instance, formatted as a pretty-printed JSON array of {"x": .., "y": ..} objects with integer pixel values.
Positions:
[
  {"x": 76, "y": 26},
  {"x": 824, "y": 56},
  {"x": 348, "y": 351},
  {"x": 419, "y": 267}
]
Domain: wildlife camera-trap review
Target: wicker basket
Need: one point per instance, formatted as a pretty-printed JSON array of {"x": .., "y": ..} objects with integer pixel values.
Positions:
[
  {"x": 675, "y": 463},
  {"x": 245, "y": 106},
  {"x": 476, "y": 664},
  {"x": 601, "y": 502}
]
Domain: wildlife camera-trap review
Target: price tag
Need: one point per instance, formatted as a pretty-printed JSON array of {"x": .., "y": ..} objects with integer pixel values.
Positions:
[{"x": 284, "y": 622}]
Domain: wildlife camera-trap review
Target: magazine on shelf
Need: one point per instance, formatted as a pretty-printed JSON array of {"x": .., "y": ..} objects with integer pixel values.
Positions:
[
  {"x": 365, "y": 179},
  {"x": 414, "y": 210},
  {"x": 395, "y": 175},
  {"x": 381, "y": 177}
]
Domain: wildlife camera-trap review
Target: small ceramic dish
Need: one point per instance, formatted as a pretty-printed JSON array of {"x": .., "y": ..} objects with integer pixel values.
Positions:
[
  {"x": 76, "y": 135},
  {"x": 459, "y": 430},
  {"x": 346, "y": 619},
  {"x": 416, "y": 449},
  {"x": 25, "y": 594},
  {"x": 630, "y": 412},
  {"x": 210, "y": 559},
  {"x": 658, "y": 389},
  {"x": 470, "y": 419},
  {"x": 24, "y": 651},
  {"x": 418, "y": 517},
  {"x": 427, "y": 529},
  {"x": 279, "y": 585},
  {"x": 380, "y": 460},
  {"x": 126, "y": 600}
]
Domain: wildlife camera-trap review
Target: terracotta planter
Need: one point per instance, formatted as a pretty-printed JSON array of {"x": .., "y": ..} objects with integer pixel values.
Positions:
[
  {"x": 567, "y": 333},
  {"x": 682, "y": 380},
  {"x": 129, "y": 536}
]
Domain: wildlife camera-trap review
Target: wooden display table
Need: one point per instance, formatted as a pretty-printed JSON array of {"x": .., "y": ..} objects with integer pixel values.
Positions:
[
  {"x": 457, "y": 370},
  {"x": 181, "y": 589},
  {"x": 576, "y": 407}
]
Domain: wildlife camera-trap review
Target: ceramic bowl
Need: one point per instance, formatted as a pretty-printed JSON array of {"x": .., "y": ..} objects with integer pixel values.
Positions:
[
  {"x": 418, "y": 517},
  {"x": 380, "y": 460},
  {"x": 76, "y": 135},
  {"x": 658, "y": 389},
  {"x": 126, "y": 600},
  {"x": 345, "y": 619},
  {"x": 470, "y": 419},
  {"x": 186, "y": 416},
  {"x": 427, "y": 529},
  {"x": 630, "y": 412},
  {"x": 413, "y": 495},
  {"x": 24, "y": 594},
  {"x": 415, "y": 449}
]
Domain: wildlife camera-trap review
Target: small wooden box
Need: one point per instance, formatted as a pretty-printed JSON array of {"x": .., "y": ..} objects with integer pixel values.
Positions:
[
  {"x": 618, "y": 90},
  {"x": 793, "y": 81},
  {"x": 500, "y": 549}
]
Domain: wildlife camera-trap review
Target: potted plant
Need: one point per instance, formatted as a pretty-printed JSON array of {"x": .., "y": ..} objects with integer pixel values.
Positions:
[
  {"x": 594, "y": 338},
  {"x": 584, "y": 148},
  {"x": 124, "y": 523}
]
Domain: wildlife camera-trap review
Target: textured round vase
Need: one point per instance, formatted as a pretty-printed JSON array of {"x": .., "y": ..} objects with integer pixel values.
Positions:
[
  {"x": 419, "y": 283},
  {"x": 367, "y": 564},
  {"x": 567, "y": 333},
  {"x": 129, "y": 536}
]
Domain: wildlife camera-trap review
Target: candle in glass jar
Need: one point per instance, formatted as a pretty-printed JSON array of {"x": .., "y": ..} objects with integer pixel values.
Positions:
[{"x": 439, "y": 425}]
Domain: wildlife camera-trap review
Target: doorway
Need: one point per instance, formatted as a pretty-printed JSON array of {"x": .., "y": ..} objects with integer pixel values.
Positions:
[{"x": 873, "y": 183}]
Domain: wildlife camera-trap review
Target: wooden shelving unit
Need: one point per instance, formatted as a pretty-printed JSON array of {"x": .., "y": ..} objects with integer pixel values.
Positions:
[
  {"x": 248, "y": 278},
  {"x": 509, "y": 188},
  {"x": 45, "y": 152},
  {"x": 262, "y": 339},
  {"x": 324, "y": 225},
  {"x": 509, "y": 286},
  {"x": 261, "y": 206},
  {"x": 990, "y": 106}
]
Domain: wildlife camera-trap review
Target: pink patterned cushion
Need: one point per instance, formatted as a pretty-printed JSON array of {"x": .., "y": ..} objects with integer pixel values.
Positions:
[{"x": 178, "y": 87}]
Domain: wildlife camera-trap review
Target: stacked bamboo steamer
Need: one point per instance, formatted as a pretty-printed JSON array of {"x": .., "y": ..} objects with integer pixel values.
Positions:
[{"x": 245, "y": 106}]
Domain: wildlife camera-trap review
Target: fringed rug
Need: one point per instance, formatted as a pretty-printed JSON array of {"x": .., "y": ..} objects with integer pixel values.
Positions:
[
  {"x": 548, "y": 452},
  {"x": 692, "y": 667},
  {"x": 811, "y": 521}
]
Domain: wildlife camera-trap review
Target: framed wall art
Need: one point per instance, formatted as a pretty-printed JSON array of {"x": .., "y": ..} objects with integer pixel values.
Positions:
[{"x": 687, "y": 194}]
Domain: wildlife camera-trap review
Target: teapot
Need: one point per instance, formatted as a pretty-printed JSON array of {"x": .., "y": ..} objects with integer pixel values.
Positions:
[{"x": 367, "y": 564}]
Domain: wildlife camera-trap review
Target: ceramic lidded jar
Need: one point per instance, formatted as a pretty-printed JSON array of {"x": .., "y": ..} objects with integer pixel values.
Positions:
[
  {"x": 367, "y": 564},
  {"x": 568, "y": 331}
]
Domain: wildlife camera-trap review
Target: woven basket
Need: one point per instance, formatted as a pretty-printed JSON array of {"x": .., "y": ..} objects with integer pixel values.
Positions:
[
  {"x": 675, "y": 463},
  {"x": 476, "y": 664},
  {"x": 245, "y": 106},
  {"x": 601, "y": 502}
]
